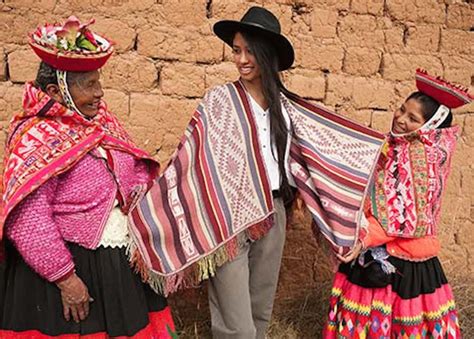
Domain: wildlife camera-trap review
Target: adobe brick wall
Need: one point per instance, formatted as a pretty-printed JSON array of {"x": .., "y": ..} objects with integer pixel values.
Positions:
[{"x": 355, "y": 56}]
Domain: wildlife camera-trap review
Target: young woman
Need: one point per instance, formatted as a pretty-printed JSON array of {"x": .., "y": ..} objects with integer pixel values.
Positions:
[
  {"x": 219, "y": 208},
  {"x": 70, "y": 169},
  {"x": 397, "y": 288}
]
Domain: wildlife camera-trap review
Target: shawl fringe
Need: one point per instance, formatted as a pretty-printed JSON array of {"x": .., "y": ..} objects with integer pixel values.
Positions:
[{"x": 199, "y": 271}]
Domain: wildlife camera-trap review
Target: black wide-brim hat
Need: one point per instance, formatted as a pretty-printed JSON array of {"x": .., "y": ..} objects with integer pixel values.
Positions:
[{"x": 259, "y": 21}]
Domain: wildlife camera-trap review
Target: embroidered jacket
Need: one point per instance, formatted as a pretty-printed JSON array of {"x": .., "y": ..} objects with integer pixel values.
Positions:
[{"x": 72, "y": 207}]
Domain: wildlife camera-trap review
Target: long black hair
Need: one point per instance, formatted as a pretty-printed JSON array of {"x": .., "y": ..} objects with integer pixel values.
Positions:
[
  {"x": 267, "y": 60},
  {"x": 429, "y": 106}
]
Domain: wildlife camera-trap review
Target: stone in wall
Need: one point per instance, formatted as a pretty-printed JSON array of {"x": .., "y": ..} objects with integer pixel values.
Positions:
[
  {"x": 169, "y": 43},
  {"x": 362, "y": 116},
  {"x": 419, "y": 11},
  {"x": 182, "y": 79},
  {"x": 129, "y": 72},
  {"x": 22, "y": 65},
  {"x": 323, "y": 23},
  {"x": 3, "y": 65},
  {"x": 317, "y": 55},
  {"x": 15, "y": 26},
  {"x": 402, "y": 90},
  {"x": 109, "y": 7},
  {"x": 393, "y": 39},
  {"x": 42, "y": 6},
  {"x": 118, "y": 31},
  {"x": 374, "y": 7},
  {"x": 228, "y": 9},
  {"x": 362, "y": 61},
  {"x": 423, "y": 38},
  {"x": 180, "y": 13},
  {"x": 459, "y": 69},
  {"x": 403, "y": 66},
  {"x": 382, "y": 121},
  {"x": 454, "y": 41},
  {"x": 361, "y": 93},
  {"x": 158, "y": 122},
  {"x": 460, "y": 16},
  {"x": 118, "y": 103},
  {"x": 361, "y": 31},
  {"x": 10, "y": 100},
  {"x": 339, "y": 5},
  {"x": 219, "y": 74},
  {"x": 468, "y": 132},
  {"x": 306, "y": 83}
]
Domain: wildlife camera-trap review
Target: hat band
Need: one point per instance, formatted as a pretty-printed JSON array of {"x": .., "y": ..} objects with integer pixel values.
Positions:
[
  {"x": 437, "y": 119},
  {"x": 67, "y": 97}
]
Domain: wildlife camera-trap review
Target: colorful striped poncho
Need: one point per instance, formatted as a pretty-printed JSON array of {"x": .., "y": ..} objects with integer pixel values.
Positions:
[{"x": 216, "y": 187}]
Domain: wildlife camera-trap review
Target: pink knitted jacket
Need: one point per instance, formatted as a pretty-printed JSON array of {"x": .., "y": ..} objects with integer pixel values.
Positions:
[{"x": 71, "y": 207}]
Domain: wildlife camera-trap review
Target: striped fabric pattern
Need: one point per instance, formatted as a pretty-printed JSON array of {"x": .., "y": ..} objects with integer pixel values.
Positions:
[
  {"x": 332, "y": 160},
  {"x": 216, "y": 186}
]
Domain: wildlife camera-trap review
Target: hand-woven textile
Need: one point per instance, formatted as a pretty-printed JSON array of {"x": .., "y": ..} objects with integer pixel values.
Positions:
[
  {"x": 409, "y": 181},
  {"x": 216, "y": 186},
  {"x": 47, "y": 139}
]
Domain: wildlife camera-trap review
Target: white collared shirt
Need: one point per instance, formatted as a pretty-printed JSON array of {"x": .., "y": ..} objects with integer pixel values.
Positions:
[{"x": 262, "y": 120}]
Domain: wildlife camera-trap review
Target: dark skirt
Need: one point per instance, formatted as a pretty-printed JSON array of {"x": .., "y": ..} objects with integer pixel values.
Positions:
[
  {"x": 410, "y": 280},
  {"x": 123, "y": 306}
]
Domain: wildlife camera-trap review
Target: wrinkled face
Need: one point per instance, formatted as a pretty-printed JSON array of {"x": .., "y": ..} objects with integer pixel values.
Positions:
[
  {"x": 408, "y": 118},
  {"x": 86, "y": 91},
  {"x": 244, "y": 59}
]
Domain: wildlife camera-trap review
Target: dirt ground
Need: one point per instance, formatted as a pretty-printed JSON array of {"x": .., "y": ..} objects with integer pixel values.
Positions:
[{"x": 302, "y": 297}]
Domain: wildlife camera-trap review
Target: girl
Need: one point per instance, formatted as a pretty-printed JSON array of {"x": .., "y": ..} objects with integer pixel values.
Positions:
[
  {"x": 219, "y": 208},
  {"x": 397, "y": 288}
]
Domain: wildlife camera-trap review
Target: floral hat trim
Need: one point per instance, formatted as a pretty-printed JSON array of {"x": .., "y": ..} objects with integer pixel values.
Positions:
[
  {"x": 71, "y": 46},
  {"x": 71, "y": 37}
]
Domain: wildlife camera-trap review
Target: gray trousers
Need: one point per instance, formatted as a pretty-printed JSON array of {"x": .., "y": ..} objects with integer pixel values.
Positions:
[{"x": 242, "y": 291}]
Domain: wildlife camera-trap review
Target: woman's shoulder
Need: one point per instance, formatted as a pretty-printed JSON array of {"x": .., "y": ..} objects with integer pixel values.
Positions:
[{"x": 220, "y": 88}]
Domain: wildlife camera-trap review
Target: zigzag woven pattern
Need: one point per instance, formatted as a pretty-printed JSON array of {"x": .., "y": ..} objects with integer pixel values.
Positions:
[{"x": 216, "y": 186}]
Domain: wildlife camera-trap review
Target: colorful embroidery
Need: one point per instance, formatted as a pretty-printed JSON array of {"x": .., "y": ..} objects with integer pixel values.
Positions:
[
  {"x": 47, "y": 139},
  {"x": 406, "y": 196}
]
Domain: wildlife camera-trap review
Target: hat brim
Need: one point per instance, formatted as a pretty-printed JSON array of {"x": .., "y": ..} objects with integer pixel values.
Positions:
[
  {"x": 226, "y": 30},
  {"x": 72, "y": 62},
  {"x": 444, "y": 92}
]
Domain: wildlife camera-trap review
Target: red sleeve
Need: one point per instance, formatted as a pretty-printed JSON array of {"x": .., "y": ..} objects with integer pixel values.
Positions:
[
  {"x": 375, "y": 234},
  {"x": 33, "y": 231}
]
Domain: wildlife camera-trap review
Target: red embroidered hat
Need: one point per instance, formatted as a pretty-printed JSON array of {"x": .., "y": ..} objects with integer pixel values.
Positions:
[
  {"x": 450, "y": 95},
  {"x": 71, "y": 46}
]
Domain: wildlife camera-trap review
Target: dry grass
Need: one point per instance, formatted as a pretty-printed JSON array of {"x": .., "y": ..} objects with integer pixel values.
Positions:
[{"x": 303, "y": 316}]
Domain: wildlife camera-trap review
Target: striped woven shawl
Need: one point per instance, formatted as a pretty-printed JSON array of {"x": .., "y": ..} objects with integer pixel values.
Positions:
[{"x": 216, "y": 187}]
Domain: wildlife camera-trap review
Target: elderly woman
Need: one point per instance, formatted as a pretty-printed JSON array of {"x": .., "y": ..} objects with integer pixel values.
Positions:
[{"x": 70, "y": 170}]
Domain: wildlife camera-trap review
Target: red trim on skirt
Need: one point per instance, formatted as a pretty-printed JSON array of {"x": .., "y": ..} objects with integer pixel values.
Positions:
[
  {"x": 159, "y": 327},
  {"x": 360, "y": 312}
]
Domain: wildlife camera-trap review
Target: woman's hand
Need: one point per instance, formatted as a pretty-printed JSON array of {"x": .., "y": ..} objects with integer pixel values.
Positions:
[
  {"x": 75, "y": 298},
  {"x": 351, "y": 255}
]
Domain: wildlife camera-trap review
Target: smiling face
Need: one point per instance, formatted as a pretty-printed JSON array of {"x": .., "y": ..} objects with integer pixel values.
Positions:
[
  {"x": 408, "y": 118},
  {"x": 86, "y": 91},
  {"x": 245, "y": 60}
]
